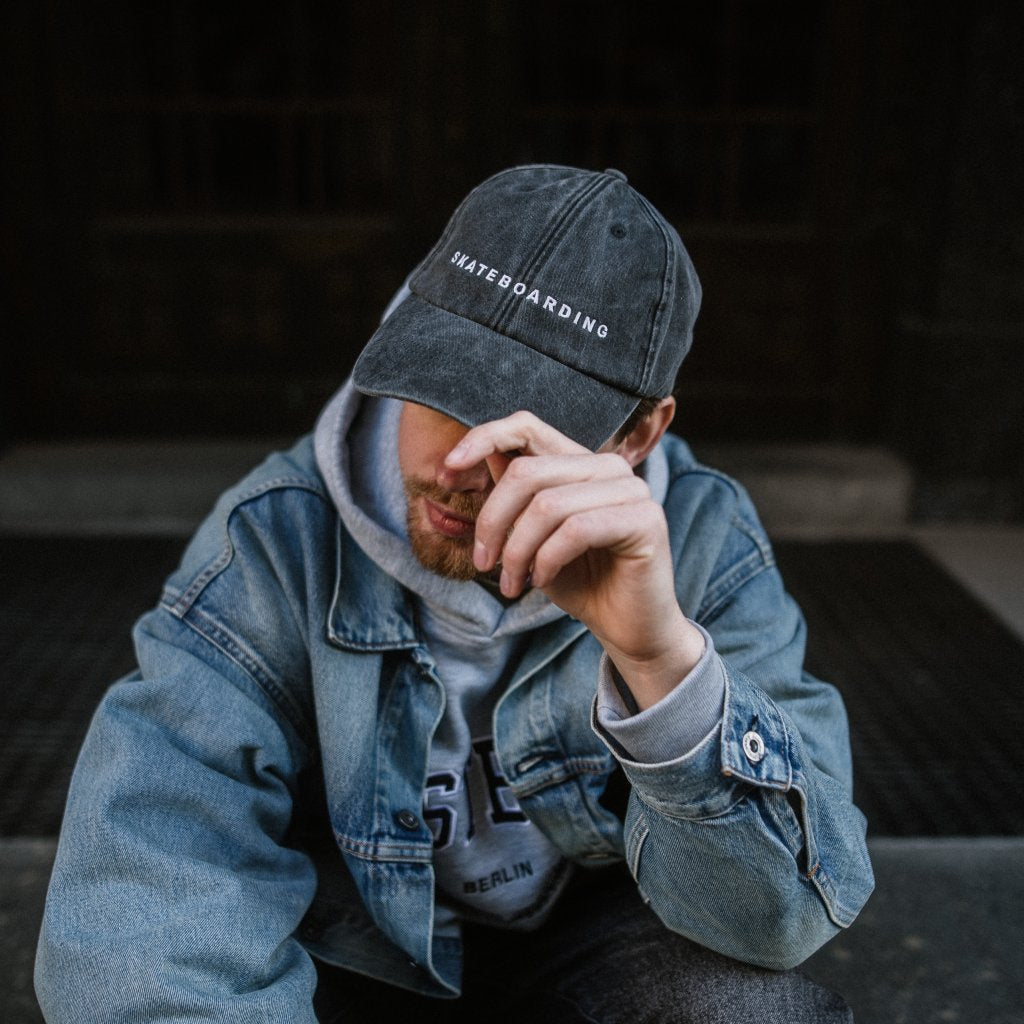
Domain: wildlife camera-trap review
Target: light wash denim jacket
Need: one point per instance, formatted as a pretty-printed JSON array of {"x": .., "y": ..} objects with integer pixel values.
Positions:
[{"x": 252, "y": 793}]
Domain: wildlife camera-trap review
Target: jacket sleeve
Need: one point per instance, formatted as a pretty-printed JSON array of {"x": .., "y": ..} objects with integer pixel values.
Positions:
[
  {"x": 749, "y": 842},
  {"x": 174, "y": 895}
]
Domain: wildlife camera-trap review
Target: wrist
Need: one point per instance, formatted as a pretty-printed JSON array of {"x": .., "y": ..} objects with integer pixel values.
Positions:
[{"x": 654, "y": 676}]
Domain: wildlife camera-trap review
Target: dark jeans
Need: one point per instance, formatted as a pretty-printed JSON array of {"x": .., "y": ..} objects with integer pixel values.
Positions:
[{"x": 602, "y": 958}]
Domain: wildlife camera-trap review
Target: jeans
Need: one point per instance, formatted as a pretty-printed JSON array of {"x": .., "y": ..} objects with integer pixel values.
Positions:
[{"x": 602, "y": 958}]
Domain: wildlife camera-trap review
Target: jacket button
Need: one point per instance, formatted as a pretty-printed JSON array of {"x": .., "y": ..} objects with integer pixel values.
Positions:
[
  {"x": 753, "y": 747},
  {"x": 407, "y": 820}
]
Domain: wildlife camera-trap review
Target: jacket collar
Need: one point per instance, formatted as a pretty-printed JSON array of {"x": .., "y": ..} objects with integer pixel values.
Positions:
[{"x": 369, "y": 610}]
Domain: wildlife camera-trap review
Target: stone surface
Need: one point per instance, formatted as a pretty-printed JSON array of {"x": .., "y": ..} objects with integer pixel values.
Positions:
[
  {"x": 940, "y": 940},
  {"x": 819, "y": 490},
  {"x": 149, "y": 487},
  {"x": 25, "y": 869}
]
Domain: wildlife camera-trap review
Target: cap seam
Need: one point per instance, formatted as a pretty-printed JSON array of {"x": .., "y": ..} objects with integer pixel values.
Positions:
[
  {"x": 556, "y": 230},
  {"x": 449, "y": 230},
  {"x": 667, "y": 287}
]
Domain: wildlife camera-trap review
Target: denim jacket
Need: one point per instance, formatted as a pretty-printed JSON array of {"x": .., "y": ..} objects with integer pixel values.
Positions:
[{"x": 252, "y": 794}]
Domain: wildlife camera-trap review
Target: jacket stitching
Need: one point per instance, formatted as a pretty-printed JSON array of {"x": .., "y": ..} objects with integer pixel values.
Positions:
[
  {"x": 229, "y": 645},
  {"x": 376, "y": 851},
  {"x": 637, "y": 837},
  {"x": 725, "y": 587},
  {"x": 566, "y": 770},
  {"x": 223, "y": 559}
]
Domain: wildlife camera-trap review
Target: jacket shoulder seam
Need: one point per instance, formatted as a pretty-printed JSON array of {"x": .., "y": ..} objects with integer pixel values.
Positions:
[
  {"x": 214, "y": 634},
  {"x": 179, "y": 603},
  {"x": 722, "y": 588}
]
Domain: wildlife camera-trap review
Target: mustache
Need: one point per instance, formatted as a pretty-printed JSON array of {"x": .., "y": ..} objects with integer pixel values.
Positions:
[{"x": 466, "y": 506}]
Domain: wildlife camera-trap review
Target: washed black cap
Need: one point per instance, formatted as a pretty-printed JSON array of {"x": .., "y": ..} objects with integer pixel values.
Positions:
[{"x": 553, "y": 289}]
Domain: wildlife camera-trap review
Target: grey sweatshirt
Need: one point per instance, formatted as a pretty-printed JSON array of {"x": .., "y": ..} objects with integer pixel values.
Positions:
[{"x": 491, "y": 863}]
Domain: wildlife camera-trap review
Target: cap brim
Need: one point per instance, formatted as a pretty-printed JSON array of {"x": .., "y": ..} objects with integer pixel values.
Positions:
[{"x": 425, "y": 354}]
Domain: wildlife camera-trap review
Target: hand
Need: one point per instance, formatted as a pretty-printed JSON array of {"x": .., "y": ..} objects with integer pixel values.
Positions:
[{"x": 582, "y": 527}]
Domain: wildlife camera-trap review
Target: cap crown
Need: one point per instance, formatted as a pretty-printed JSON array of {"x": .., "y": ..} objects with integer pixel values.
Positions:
[{"x": 574, "y": 264}]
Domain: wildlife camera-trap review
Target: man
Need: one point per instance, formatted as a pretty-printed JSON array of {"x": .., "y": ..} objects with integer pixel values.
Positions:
[{"x": 362, "y": 765}]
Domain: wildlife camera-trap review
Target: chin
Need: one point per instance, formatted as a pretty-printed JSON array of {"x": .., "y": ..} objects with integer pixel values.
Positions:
[{"x": 452, "y": 559}]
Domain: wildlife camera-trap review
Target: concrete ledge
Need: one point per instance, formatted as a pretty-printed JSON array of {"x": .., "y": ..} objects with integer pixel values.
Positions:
[
  {"x": 938, "y": 942},
  {"x": 166, "y": 487},
  {"x": 120, "y": 487},
  {"x": 819, "y": 491}
]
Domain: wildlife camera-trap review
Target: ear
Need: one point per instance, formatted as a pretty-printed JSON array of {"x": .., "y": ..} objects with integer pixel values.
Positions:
[{"x": 636, "y": 446}]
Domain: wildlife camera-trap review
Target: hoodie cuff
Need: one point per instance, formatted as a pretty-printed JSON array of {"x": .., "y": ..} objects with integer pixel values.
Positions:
[{"x": 675, "y": 725}]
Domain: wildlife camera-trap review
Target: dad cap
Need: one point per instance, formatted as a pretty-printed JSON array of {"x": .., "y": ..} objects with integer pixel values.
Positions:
[{"x": 553, "y": 289}]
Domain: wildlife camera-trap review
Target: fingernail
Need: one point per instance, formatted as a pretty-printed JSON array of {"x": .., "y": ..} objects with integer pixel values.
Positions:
[
  {"x": 480, "y": 554},
  {"x": 457, "y": 452}
]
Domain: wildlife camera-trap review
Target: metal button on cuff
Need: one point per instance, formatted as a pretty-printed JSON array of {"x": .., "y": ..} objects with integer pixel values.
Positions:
[
  {"x": 753, "y": 747},
  {"x": 407, "y": 820}
]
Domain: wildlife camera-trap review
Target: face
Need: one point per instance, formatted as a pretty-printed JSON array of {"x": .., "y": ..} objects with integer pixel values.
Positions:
[{"x": 441, "y": 506}]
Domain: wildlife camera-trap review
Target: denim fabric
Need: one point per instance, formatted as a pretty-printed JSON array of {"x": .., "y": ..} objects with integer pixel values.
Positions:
[
  {"x": 252, "y": 793},
  {"x": 603, "y": 958}
]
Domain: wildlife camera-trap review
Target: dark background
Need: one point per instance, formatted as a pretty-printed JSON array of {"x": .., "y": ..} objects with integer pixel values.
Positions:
[{"x": 207, "y": 205}]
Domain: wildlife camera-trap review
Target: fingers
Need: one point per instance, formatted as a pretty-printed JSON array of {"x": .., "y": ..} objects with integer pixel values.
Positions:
[
  {"x": 551, "y": 505},
  {"x": 521, "y": 432},
  {"x": 628, "y": 531},
  {"x": 561, "y": 523},
  {"x": 536, "y": 491}
]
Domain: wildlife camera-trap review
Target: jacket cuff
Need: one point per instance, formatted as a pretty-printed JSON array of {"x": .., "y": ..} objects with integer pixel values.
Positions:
[
  {"x": 676, "y": 724},
  {"x": 752, "y": 745}
]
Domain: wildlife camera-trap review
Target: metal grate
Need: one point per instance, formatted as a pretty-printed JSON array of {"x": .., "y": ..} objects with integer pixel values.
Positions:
[
  {"x": 66, "y": 610},
  {"x": 932, "y": 682},
  {"x": 931, "y": 679}
]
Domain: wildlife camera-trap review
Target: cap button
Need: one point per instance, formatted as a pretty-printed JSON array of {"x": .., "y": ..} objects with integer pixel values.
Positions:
[{"x": 612, "y": 172}]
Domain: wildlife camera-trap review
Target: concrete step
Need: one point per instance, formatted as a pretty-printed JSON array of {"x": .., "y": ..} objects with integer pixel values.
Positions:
[
  {"x": 165, "y": 487},
  {"x": 820, "y": 491},
  {"x": 120, "y": 487}
]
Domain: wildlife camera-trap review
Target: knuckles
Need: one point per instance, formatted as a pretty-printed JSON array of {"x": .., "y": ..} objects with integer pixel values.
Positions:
[
  {"x": 547, "y": 504},
  {"x": 521, "y": 470},
  {"x": 523, "y": 422},
  {"x": 615, "y": 464}
]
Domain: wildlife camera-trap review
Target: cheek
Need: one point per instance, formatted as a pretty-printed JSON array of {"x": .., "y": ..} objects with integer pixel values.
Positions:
[
  {"x": 421, "y": 445},
  {"x": 425, "y": 437},
  {"x": 406, "y": 448}
]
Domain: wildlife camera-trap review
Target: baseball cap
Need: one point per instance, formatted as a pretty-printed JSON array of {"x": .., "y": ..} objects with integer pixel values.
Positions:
[{"x": 553, "y": 289}]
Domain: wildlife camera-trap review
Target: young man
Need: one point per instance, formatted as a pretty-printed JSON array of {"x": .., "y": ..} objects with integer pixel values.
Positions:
[{"x": 486, "y": 688}]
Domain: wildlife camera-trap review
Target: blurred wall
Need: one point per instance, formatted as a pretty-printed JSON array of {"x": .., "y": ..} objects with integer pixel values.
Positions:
[{"x": 206, "y": 208}]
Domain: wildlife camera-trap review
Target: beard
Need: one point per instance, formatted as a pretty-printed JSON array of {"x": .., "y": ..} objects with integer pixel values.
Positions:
[{"x": 451, "y": 557}]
